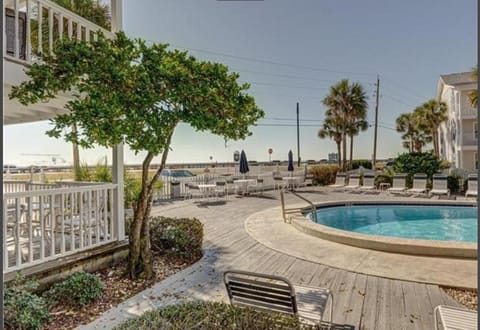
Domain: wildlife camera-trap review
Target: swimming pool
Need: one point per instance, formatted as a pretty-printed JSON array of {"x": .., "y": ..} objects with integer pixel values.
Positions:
[{"x": 426, "y": 222}]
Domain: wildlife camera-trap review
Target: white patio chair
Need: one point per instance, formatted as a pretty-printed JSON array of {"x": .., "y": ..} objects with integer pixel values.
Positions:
[
  {"x": 398, "y": 184},
  {"x": 439, "y": 185},
  {"x": 221, "y": 189},
  {"x": 454, "y": 318},
  {"x": 354, "y": 182},
  {"x": 472, "y": 185},
  {"x": 340, "y": 180},
  {"x": 419, "y": 184},
  {"x": 256, "y": 187},
  {"x": 368, "y": 182}
]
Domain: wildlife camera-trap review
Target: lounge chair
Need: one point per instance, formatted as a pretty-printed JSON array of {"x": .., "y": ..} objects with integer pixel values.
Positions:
[
  {"x": 472, "y": 185},
  {"x": 277, "y": 294},
  {"x": 439, "y": 185},
  {"x": 339, "y": 180},
  {"x": 454, "y": 318},
  {"x": 419, "y": 184},
  {"x": 353, "y": 182},
  {"x": 399, "y": 181},
  {"x": 368, "y": 182},
  {"x": 221, "y": 189}
]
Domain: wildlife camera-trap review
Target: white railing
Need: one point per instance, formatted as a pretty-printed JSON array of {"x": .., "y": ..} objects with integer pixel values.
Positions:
[
  {"x": 33, "y": 27},
  {"x": 42, "y": 225}
]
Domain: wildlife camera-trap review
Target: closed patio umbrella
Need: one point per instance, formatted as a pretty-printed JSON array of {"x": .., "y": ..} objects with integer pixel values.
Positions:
[
  {"x": 290, "y": 162},
  {"x": 243, "y": 163}
]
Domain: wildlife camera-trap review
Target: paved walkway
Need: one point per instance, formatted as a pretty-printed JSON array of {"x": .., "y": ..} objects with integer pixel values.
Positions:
[{"x": 362, "y": 301}]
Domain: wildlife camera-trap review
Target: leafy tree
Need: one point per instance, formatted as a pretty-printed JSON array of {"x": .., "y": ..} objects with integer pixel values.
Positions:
[
  {"x": 125, "y": 91},
  {"x": 417, "y": 162},
  {"x": 431, "y": 115},
  {"x": 473, "y": 95},
  {"x": 347, "y": 105}
]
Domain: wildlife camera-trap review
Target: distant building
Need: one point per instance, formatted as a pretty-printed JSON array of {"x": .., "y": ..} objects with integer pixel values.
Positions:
[
  {"x": 333, "y": 157},
  {"x": 459, "y": 134}
]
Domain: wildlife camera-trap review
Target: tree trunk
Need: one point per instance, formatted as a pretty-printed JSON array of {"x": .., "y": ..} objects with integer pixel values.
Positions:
[
  {"x": 435, "y": 143},
  {"x": 351, "y": 151},
  {"x": 339, "y": 154},
  {"x": 140, "y": 257},
  {"x": 76, "y": 156},
  {"x": 344, "y": 152}
]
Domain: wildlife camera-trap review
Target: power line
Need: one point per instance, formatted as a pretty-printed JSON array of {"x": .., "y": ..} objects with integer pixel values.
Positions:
[
  {"x": 398, "y": 100},
  {"x": 282, "y": 85},
  {"x": 283, "y": 75},
  {"x": 407, "y": 89}
]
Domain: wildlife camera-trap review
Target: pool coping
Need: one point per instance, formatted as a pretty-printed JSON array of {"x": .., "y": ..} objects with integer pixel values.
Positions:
[{"x": 420, "y": 247}]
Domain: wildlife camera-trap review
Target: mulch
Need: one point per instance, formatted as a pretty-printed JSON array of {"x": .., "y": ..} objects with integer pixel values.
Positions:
[
  {"x": 117, "y": 288},
  {"x": 468, "y": 298}
]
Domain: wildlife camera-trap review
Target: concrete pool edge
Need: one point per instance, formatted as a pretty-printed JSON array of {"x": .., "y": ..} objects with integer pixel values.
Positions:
[
  {"x": 384, "y": 243},
  {"x": 268, "y": 228}
]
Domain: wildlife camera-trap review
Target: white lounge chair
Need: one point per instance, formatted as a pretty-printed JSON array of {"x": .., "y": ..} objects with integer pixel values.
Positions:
[
  {"x": 472, "y": 185},
  {"x": 353, "y": 182},
  {"x": 340, "y": 179},
  {"x": 368, "y": 182},
  {"x": 454, "y": 318},
  {"x": 419, "y": 184},
  {"x": 398, "y": 185},
  {"x": 439, "y": 185}
]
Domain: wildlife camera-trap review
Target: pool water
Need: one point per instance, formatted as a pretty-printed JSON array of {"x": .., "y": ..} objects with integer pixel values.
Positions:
[{"x": 444, "y": 223}]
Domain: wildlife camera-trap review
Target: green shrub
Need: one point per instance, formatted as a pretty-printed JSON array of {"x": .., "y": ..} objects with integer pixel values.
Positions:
[
  {"x": 177, "y": 237},
  {"x": 453, "y": 182},
  {"x": 212, "y": 315},
  {"x": 418, "y": 162},
  {"x": 22, "y": 308},
  {"x": 383, "y": 178},
  {"x": 356, "y": 163},
  {"x": 103, "y": 172},
  {"x": 323, "y": 174},
  {"x": 80, "y": 288}
]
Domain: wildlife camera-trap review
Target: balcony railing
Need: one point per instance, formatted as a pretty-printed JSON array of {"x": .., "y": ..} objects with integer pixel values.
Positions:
[
  {"x": 33, "y": 27},
  {"x": 44, "y": 224}
]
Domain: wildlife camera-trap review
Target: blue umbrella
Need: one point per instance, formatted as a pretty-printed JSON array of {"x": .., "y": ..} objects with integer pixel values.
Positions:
[
  {"x": 290, "y": 161},
  {"x": 243, "y": 163}
]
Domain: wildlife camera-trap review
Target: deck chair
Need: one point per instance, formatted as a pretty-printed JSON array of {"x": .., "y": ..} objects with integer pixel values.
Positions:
[
  {"x": 439, "y": 185},
  {"x": 454, "y": 318},
  {"x": 353, "y": 182},
  {"x": 221, "y": 189},
  {"x": 368, "y": 182},
  {"x": 277, "y": 294},
  {"x": 419, "y": 184},
  {"x": 472, "y": 185},
  {"x": 340, "y": 180},
  {"x": 399, "y": 181}
]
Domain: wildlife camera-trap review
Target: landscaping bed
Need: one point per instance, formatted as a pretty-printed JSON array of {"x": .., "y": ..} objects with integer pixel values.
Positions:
[{"x": 468, "y": 298}]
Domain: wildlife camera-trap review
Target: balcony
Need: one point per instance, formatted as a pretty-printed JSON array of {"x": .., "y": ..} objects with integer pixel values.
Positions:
[
  {"x": 470, "y": 139},
  {"x": 33, "y": 27}
]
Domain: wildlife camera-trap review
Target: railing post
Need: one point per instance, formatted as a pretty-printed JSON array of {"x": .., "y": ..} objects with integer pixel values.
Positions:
[{"x": 118, "y": 195}]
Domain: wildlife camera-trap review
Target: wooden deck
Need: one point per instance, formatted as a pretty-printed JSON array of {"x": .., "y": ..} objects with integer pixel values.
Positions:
[{"x": 361, "y": 301}]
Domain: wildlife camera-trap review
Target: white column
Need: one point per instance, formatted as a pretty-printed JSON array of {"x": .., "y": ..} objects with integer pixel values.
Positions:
[
  {"x": 118, "y": 196},
  {"x": 117, "y": 15}
]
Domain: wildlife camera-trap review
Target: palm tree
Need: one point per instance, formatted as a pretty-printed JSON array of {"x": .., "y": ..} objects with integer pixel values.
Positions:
[
  {"x": 357, "y": 114},
  {"x": 354, "y": 129},
  {"x": 346, "y": 103},
  {"x": 332, "y": 128},
  {"x": 430, "y": 116},
  {"x": 407, "y": 123},
  {"x": 473, "y": 95}
]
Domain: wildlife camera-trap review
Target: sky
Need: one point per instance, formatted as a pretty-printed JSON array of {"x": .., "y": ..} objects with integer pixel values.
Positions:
[{"x": 293, "y": 51}]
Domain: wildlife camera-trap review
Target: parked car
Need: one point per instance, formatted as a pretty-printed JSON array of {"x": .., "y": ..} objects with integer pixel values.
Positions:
[
  {"x": 12, "y": 169},
  {"x": 176, "y": 173}
]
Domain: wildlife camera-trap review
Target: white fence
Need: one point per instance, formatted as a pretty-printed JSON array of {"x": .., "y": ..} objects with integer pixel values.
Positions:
[
  {"x": 33, "y": 27},
  {"x": 41, "y": 225}
]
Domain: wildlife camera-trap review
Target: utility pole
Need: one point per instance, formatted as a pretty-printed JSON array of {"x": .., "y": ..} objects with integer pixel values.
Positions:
[
  {"x": 298, "y": 136},
  {"x": 376, "y": 123}
]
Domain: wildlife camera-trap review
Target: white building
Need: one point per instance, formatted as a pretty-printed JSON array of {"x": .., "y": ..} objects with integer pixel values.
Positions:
[
  {"x": 459, "y": 134},
  {"x": 60, "y": 225}
]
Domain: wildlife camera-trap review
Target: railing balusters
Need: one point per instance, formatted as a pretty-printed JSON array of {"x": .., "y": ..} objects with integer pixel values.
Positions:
[
  {"x": 106, "y": 235},
  {"x": 97, "y": 215},
  {"x": 5, "y": 232},
  {"x": 80, "y": 220},
  {"x": 16, "y": 34},
  {"x": 28, "y": 45},
  {"x": 52, "y": 225},
  {"x": 79, "y": 31},
  {"x": 40, "y": 22},
  {"x": 42, "y": 229},
  {"x": 30, "y": 229},
  {"x": 110, "y": 196},
  {"x": 62, "y": 217},
  {"x": 18, "y": 250},
  {"x": 89, "y": 217},
  {"x": 60, "y": 26},
  {"x": 70, "y": 28},
  {"x": 72, "y": 228}
]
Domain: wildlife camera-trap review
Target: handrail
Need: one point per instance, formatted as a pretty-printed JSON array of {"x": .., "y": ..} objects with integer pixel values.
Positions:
[{"x": 313, "y": 208}]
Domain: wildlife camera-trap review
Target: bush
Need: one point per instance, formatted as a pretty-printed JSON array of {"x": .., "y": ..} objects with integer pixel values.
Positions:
[
  {"x": 383, "y": 178},
  {"x": 212, "y": 315},
  {"x": 80, "y": 288},
  {"x": 356, "y": 163},
  {"x": 22, "y": 308},
  {"x": 453, "y": 182},
  {"x": 323, "y": 174},
  {"x": 418, "y": 162},
  {"x": 177, "y": 237}
]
